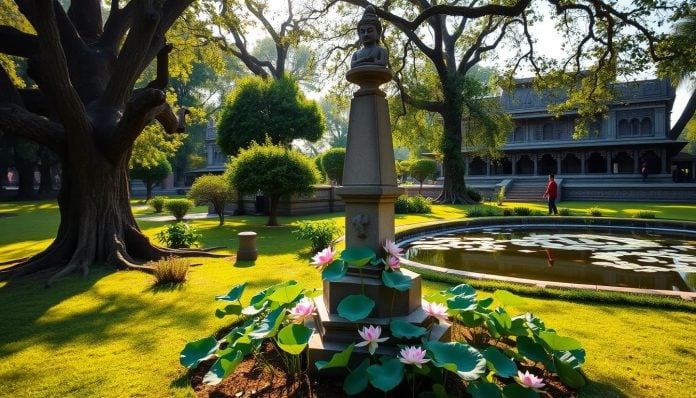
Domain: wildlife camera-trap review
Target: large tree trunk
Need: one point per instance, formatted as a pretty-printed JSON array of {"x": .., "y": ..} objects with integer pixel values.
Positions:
[
  {"x": 272, "y": 219},
  {"x": 453, "y": 186}
]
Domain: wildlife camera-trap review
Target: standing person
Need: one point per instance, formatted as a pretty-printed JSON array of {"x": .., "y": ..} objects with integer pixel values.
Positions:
[
  {"x": 644, "y": 171},
  {"x": 551, "y": 193}
]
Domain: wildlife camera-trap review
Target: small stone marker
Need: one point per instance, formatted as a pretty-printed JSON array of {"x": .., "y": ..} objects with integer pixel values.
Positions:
[{"x": 247, "y": 246}]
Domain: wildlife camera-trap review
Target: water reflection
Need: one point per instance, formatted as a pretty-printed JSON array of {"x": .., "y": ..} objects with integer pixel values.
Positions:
[{"x": 649, "y": 262}]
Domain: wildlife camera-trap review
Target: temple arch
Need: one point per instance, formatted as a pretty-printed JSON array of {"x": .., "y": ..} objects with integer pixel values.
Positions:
[
  {"x": 596, "y": 163},
  {"x": 571, "y": 164}
]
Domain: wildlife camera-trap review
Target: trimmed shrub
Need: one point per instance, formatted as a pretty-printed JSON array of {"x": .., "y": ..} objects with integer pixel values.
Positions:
[
  {"x": 179, "y": 235},
  {"x": 413, "y": 205},
  {"x": 594, "y": 212},
  {"x": 522, "y": 211},
  {"x": 321, "y": 233},
  {"x": 476, "y": 211},
  {"x": 507, "y": 212},
  {"x": 473, "y": 194},
  {"x": 157, "y": 203},
  {"x": 500, "y": 196},
  {"x": 332, "y": 164},
  {"x": 178, "y": 207},
  {"x": 644, "y": 214},
  {"x": 564, "y": 211},
  {"x": 214, "y": 190},
  {"x": 421, "y": 169},
  {"x": 170, "y": 270}
]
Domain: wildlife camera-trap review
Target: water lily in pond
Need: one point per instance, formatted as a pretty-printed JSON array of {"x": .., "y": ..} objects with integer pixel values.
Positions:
[
  {"x": 392, "y": 263},
  {"x": 370, "y": 335},
  {"x": 437, "y": 311},
  {"x": 324, "y": 258},
  {"x": 413, "y": 356},
  {"x": 305, "y": 308},
  {"x": 529, "y": 380},
  {"x": 392, "y": 249}
]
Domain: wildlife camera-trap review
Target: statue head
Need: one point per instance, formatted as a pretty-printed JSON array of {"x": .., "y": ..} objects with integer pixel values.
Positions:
[{"x": 369, "y": 27}]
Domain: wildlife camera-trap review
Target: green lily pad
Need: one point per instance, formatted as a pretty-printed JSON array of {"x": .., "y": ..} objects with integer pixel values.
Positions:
[
  {"x": 484, "y": 390},
  {"x": 396, "y": 280},
  {"x": 357, "y": 381},
  {"x": 223, "y": 367},
  {"x": 482, "y": 304},
  {"x": 268, "y": 326},
  {"x": 197, "y": 351},
  {"x": 559, "y": 343},
  {"x": 294, "y": 338},
  {"x": 571, "y": 377},
  {"x": 462, "y": 359},
  {"x": 358, "y": 256},
  {"x": 403, "y": 329},
  {"x": 232, "y": 309},
  {"x": 462, "y": 303},
  {"x": 286, "y": 294},
  {"x": 387, "y": 375},
  {"x": 574, "y": 358},
  {"x": 260, "y": 297},
  {"x": 531, "y": 349},
  {"x": 234, "y": 294},
  {"x": 339, "y": 360},
  {"x": 506, "y": 298},
  {"x": 499, "y": 362},
  {"x": 462, "y": 289},
  {"x": 335, "y": 271},
  {"x": 515, "y": 390},
  {"x": 355, "y": 307},
  {"x": 253, "y": 310}
]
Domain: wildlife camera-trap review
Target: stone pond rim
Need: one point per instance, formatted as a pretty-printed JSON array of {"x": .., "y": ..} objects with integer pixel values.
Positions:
[{"x": 676, "y": 228}]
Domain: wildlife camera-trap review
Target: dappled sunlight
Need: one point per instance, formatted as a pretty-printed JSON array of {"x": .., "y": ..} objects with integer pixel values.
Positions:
[{"x": 22, "y": 249}]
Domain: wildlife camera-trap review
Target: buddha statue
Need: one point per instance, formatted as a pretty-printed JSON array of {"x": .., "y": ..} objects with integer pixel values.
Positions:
[{"x": 369, "y": 31}]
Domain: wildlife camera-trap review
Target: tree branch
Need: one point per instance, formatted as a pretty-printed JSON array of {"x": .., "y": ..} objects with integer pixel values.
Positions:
[
  {"x": 16, "y": 42},
  {"x": 18, "y": 122},
  {"x": 87, "y": 18},
  {"x": 162, "y": 79},
  {"x": 144, "y": 105},
  {"x": 685, "y": 117}
]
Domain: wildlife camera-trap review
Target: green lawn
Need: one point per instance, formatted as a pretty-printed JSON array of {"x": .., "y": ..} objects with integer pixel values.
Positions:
[{"x": 111, "y": 334}]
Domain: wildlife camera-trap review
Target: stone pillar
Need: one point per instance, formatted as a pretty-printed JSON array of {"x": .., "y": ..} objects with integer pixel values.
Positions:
[
  {"x": 369, "y": 191},
  {"x": 636, "y": 162},
  {"x": 609, "y": 168},
  {"x": 558, "y": 163},
  {"x": 582, "y": 163},
  {"x": 513, "y": 160}
]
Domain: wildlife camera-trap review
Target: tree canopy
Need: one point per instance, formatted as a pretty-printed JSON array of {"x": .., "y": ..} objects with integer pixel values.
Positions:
[
  {"x": 274, "y": 170},
  {"x": 276, "y": 108}
]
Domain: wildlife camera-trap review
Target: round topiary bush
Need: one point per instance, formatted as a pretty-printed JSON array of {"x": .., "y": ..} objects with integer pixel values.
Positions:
[{"x": 178, "y": 207}]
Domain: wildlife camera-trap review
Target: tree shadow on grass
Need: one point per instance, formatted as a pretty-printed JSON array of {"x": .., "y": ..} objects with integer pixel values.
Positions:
[{"x": 602, "y": 389}]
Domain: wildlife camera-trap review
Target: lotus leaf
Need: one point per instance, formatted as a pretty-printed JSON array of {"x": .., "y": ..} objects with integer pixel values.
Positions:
[
  {"x": 357, "y": 381},
  {"x": 339, "y": 360},
  {"x": 517, "y": 391},
  {"x": 223, "y": 367},
  {"x": 355, "y": 307},
  {"x": 462, "y": 359},
  {"x": 396, "y": 280},
  {"x": 499, "y": 362},
  {"x": 334, "y": 272},
  {"x": 197, "y": 351},
  {"x": 286, "y": 294},
  {"x": 387, "y": 375},
  {"x": 358, "y": 256},
  {"x": 294, "y": 338},
  {"x": 234, "y": 294},
  {"x": 484, "y": 390},
  {"x": 403, "y": 329}
]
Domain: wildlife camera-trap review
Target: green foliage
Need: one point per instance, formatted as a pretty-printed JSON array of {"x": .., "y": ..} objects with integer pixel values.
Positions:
[
  {"x": 214, "y": 190},
  {"x": 473, "y": 194},
  {"x": 151, "y": 175},
  {"x": 170, "y": 270},
  {"x": 421, "y": 169},
  {"x": 321, "y": 233},
  {"x": 178, "y": 207},
  {"x": 595, "y": 212},
  {"x": 355, "y": 307},
  {"x": 645, "y": 214},
  {"x": 332, "y": 164},
  {"x": 157, "y": 203},
  {"x": 500, "y": 196},
  {"x": 273, "y": 170},
  {"x": 403, "y": 168},
  {"x": 276, "y": 108},
  {"x": 179, "y": 235},
  {"x": 412, "y": 205},
  {"x": 522, "y": 211},
  {"x": 481, "y": 211},
  {"x": 564, "y": 211},
  {"x": 268, "y": 318}
]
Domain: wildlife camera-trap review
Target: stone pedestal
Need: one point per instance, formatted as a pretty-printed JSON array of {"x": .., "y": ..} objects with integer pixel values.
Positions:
[
  {"x": 247, "y": 246},
  {"x": 369, "y": 192}
]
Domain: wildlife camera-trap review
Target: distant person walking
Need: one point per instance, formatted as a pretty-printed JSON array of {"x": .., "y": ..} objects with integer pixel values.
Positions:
[
  {"x": 551, "y": 193},
  {"x": 644, "y": 171}
]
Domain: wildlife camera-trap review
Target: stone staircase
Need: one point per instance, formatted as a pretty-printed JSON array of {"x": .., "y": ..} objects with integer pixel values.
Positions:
[{"x": 526, "y": 190}]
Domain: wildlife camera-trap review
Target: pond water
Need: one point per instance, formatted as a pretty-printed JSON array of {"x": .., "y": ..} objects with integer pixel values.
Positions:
[{"x": 593, "y": 257}]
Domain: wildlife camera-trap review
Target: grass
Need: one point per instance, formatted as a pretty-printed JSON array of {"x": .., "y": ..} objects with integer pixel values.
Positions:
[{"x": 116, "y": 334}]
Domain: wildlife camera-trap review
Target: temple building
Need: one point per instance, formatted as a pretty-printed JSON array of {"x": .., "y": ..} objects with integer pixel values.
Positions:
[{"x": 634, "y": 134}]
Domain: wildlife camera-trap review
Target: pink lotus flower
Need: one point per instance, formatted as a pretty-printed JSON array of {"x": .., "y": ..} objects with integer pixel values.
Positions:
[
  {"x": 392, "y": 249},
  {"x": 371, "y": 338},
  {"x": 324, "y": 258},
  {"x": 305, "y": 308},
  {"x": 437, "y": 311},
  {"x": 392, "y": 263},
  {"x": 529, "y": 380},
  {"x": 413, "y": 356}
]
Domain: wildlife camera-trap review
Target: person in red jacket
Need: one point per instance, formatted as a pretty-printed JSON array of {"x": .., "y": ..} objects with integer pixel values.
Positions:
[{"x": 551, "y": 193}]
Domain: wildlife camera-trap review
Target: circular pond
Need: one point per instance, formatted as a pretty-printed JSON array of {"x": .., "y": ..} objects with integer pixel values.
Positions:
[{"x": 588, "y": 256}]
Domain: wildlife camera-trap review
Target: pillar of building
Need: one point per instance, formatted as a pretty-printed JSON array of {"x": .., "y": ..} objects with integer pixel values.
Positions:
[
  {"x": 557, "y": 156},
  {"x": 582, "y": 162},
  {"x": 636, "y": 161},
  {"x": 536, "y": 164},
  {"x": 513, "y": 159},
  {"x": 609, "y": 168}
]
